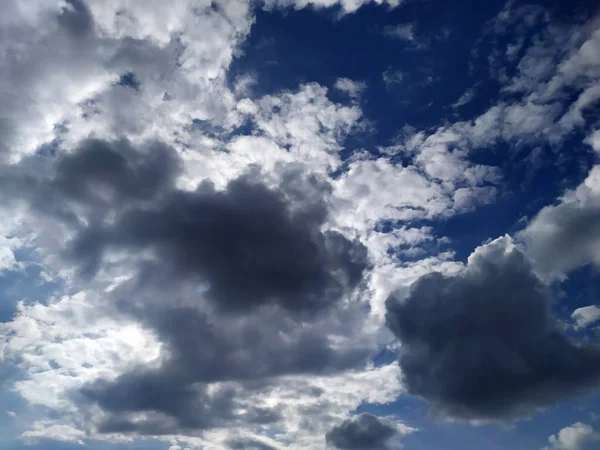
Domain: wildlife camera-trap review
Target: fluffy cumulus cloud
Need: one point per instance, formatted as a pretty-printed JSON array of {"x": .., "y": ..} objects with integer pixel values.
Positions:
[
  {"x": 199, "y": 259},
  {"x": 578, "y": 436},
  {"x": 483, "y": 345}
]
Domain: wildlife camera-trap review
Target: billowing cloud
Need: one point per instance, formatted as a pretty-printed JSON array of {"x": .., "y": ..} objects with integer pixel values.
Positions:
[
  {"x": 578, "y": 436},
  {"x": 483, "y": 345},
  {"x": 251, "y": 245}
]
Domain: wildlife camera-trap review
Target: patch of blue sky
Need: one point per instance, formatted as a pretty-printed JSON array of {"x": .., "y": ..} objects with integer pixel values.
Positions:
[{"x": 26, "y": 283}]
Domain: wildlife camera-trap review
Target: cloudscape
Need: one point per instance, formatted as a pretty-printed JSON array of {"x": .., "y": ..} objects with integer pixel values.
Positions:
[{"x": 299, "y": 224}]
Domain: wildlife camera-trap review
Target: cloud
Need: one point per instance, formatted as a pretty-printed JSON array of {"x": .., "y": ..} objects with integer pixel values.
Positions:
[
  {"x": 391, "y": 77},
  {"x": 250, "y": 244},
  {"x": 94, "y": 44},
  {"x": 76, "y": 18},
  {"x": 466, "y": 98},
  {"x": 7, "y": 256},
  {"x": 402, "y": 32},
  {"x": 585, "y": 316},
  {"x": 249, "y": 444},
  {"x": 152, "y": 404},
  {"x": 307, "y": 125},
  {"x": 354, "y": 89},
  {"x": 59, "y": 358},
  {"x": 594, "y": 140},
  {"x": 436, "y": 180},
  {"x": 221, "y": 272},
  {"x": 237, "y": 285},
  {"x": 565, "y": 236},
  {"x": 47, "y": 430},
  {"x": 345, "y": 6},
  {"x": 362, "y": 432},
  {"x": 578, "y": 436},
  {"x": 483, "y": 345},
  {"x": 68, "y": 206}
]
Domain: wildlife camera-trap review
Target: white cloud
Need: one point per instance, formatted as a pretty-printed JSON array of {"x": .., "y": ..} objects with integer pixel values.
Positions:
[
  {"x": 466, "y": 98},
  {"x": 44, "y": 430},
  {"x": 354, "y": 89},
  {"x": 391, "y": 77},
  {"x": 7, "y": 256},
  {"x": 69, "y": 341},
  {"x": 594, "y": 140},
  {"x": 307, "y": 122},
  {"x": 372, "y": 191},
  {"x": 402, "y": 32},
  {"x": 585, "y": 316},
  {"x": 578, "y": 436},
  {"x": 346, "y": 6}
]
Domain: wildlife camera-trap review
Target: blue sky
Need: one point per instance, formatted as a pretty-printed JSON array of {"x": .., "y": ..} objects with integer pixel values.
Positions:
[{"x": 322, "y": 224}]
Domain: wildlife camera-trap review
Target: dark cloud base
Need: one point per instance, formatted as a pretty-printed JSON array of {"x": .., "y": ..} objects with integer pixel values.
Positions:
[
  {"x": 363, "y": 432},
  {"x": 484, "y": 345}
]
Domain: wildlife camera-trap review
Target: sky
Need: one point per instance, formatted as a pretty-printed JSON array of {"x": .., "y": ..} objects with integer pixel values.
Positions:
[{"x": 299, "y": 224}]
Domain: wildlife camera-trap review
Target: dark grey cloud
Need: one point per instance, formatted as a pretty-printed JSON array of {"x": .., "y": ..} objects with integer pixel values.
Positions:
[
  {"x": 176, "y": 406},
  {"x": 249, "y": 351},
  {"x": 247, "y": 243},
  {"x": 115, "y": 172},
  {"x": 240, "y": 285},
  {"x": 97, "y": 179},
  {"x": 362, "y": 432},
  {"x": 216, "y": 348},
  {"x": 484, "y": 344},
  {"x": 76, "y": 18},
  {"x": 248, "y": 444},
  {"x": 565, "y": 236},
  {"x": 169, "y": 405}
]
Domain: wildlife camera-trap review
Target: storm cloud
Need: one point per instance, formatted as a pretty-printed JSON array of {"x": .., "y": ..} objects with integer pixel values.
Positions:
[{"x": 484, "y": 345}]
